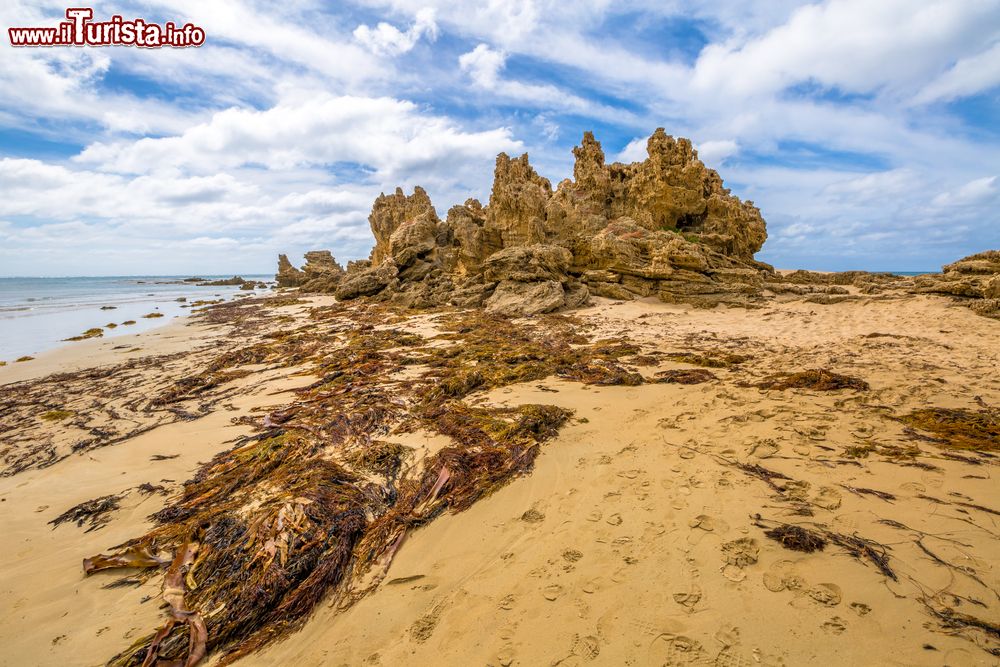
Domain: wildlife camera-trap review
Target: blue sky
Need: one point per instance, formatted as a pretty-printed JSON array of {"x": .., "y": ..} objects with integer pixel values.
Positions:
[{"x": 867, "y": 132}]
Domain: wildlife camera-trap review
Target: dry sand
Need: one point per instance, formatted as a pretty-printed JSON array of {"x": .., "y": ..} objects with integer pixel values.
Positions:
[{"x": 636, "y": 539}]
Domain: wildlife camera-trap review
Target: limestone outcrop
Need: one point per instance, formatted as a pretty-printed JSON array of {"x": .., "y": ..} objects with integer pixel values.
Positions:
[
  {"x": 320, "y": 273},
  {"x": 975, "y": 280},
  {"x": 288, "y": 275},
  {"x": 662, "y": 227}
]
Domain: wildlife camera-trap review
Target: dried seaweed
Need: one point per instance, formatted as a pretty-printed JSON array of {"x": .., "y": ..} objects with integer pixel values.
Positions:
[
  {"x": 799, "y": 538},
  {"x": 796, "y": 538},
  {"x": 860, "y": 490},
  {"x": 710, "y": 359},
  {"x": 817, "y": 379},
  {"x": 320, "y": 499},
  {"x": 96, "y": 513},
  {"x": 760, "y": 472},
  {"x": 977, "y": 430},
  {"x": 684, "y": 376}
]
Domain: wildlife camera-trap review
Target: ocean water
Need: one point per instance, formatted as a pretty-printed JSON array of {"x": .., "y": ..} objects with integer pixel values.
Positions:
[{"x": 37, "y": 314}]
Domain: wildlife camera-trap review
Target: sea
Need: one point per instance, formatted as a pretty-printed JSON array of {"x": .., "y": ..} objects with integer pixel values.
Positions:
[{"x": 38, "y": 314}]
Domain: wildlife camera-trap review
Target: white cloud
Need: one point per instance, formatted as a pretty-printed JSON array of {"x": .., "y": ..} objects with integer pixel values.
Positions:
[
  {"x": 387, "y": 39},
  {"x": 714, "y": 153},
  {"x": 634, "y": 151},
  {"x": 978, "y": 191},
  {"x": 483, "y": 65},
  {"x": 856, "y": 45},
  {"x": 392, "y": 137},
  {"x": 967, "y": 77}
]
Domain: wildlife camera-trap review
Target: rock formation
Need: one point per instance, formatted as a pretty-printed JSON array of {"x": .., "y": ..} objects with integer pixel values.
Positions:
[
  {"x": 974, "y": 279},
  {"x": 665, "y": 227},
  {"x": 288, "y": 275},
  {"x": 321, "y": 272}
]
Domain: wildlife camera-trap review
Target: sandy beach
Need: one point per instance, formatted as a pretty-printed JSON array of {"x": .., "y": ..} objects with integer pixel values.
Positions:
[{"x": 640, "y": 534}]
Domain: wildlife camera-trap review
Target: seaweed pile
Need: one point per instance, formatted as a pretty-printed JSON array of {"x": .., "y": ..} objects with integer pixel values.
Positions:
[
  {"x": 817, "y": 379},
  {"x": 107, "y": 405},
  {"x": 959, "y": 429},
  {"x": 321, "y": 497}
]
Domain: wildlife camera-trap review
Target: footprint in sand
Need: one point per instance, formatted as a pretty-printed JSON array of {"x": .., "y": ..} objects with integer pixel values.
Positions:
[
  {"x": 615, "y": 519},
  {"x": 572, "y": 555},
  {"x": 860, "y": 608},
  {"x": 796, "y": 490},
  {"x": 507, "y": 603},
  {"x": 553, "y": 592},
  {"x": 764, "y": 449},
  {"x": 595, "y": 515},
  {"x": 738, "y": 555},
  {"x": 828, "y": 498},
  {"x": 705, "y": 522},
  {"x": 783, "y": 576},
  {"x": 728, "y": 636},
  {"x": 423, "y": 627},
  {"x": 826, "y": 594},
  {"x": 835, "y": 626},
  {"x": 587, "y": 647},
  {"x": 690, "y": 598},
  {"x": 678, "y": 650}
]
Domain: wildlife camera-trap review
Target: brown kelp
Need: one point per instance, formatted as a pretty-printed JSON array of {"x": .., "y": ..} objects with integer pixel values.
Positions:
[
  {"x": 977, "y": 430},
  {"x": 817, "y": 379},
  {"x": 320, "y": 498}
]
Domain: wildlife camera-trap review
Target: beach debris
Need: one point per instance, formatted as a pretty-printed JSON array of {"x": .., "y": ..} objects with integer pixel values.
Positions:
[
  {"x": 128, "y": 323},
  {"x": 816, "y": 537},
  {"x": 817, "y": 379},
  {"x": 95, "y": 332},
  {"x": 684, "y": 376},
  {"x": 96, "y": 512},
  {"x": 860, "y": 490},
  {"x": 23, "y": 359},
  {"x": 760, "y": 472},
  {"x": 709, "y": 359},
  {"x": 150, "y": 316},
  {"x": 977, "y": 430},
  {"x": 796, "y": 538},
  {"x": 109, "y": 307},
  {"x": 56, "y": 415}
]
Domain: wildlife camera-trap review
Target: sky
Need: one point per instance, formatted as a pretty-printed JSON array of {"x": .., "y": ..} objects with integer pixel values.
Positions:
[{"x": 868, "y": 133}]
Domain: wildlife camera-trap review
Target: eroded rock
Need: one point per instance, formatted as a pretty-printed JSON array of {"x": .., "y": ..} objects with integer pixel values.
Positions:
[{"x": 665, "y": 226}]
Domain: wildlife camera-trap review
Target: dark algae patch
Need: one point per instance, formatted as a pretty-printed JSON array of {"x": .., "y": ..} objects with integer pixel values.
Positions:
[
  {"x": 977, "y": 430},
  {"x": 95, "y": 513},
  {"x": 796, "y": 538},
  {"x": 818, "y": 379},
  {"x": 684, "y": 376}
]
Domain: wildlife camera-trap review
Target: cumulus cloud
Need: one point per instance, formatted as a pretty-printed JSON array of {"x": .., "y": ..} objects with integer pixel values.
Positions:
[
  {"x": 392, "y": 137},
  {"x": 387, "y": 39},
  {"x": 856, "y": 45},
  {"x": 634, "y": 151},
  {"x": 483, "y": 65}
]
